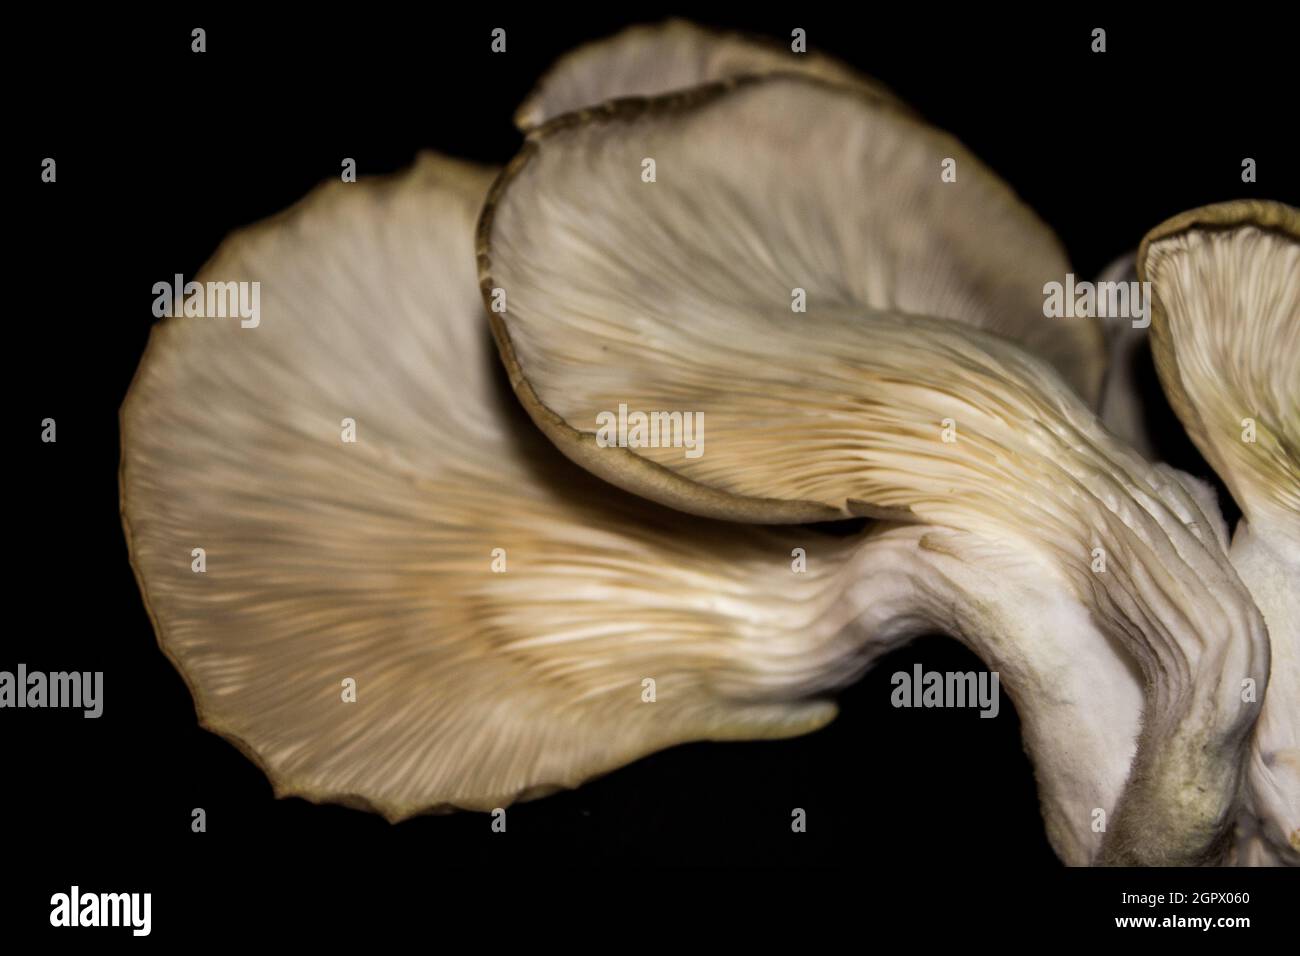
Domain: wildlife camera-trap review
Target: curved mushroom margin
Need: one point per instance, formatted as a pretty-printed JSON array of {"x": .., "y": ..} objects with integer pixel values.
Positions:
[
  {"x": 756, "y": 47},
  {"x": 281, "y": 787}
]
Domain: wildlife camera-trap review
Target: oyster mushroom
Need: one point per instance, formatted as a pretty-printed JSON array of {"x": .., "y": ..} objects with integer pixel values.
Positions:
[
  {"x": 373, "y": 561},
  {"x": 1225, "y": 283},
  {"x": 924, "y": 310}
]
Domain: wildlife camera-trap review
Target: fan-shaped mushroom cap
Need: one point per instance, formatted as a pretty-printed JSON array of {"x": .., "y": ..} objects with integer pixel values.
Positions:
[
  {"x": 1225, "y": 283},
  {"x": 649, "y": 60},
  {"x": 772, "y": 186},
  {"x": 373, "y": 560},
  {"x": 673, "y": 296}
]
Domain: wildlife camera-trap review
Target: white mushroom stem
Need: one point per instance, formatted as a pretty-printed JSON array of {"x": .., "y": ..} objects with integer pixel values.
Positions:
[
  {"x": 1078, "y": 696},
  {"x": 1270, "y": 568}
]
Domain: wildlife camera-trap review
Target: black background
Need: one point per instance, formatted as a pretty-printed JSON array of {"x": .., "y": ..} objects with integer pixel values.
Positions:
[{"x": 161, "y": 152}]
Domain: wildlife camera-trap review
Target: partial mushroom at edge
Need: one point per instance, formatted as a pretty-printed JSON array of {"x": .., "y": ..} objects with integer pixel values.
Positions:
[{"x": 1225, "y": 283}]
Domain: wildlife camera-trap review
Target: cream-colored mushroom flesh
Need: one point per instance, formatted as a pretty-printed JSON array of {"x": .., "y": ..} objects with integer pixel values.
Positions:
[
  {"x": 498, "y": 610},
  {"x": 921, "y": 383},
  {"x": 1225, "y": 283},
  {"x": 649, "y": 60}
]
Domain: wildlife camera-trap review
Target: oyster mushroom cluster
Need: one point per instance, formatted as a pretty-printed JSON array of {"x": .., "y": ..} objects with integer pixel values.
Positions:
[{"x": 499, "y": 584}]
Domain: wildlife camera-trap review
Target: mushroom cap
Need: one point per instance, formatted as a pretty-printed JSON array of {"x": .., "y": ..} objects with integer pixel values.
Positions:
[
  {"x": 372, "y": 560},
  {"x": 763, "y": 186},
  {"x": 674, "y": 296},
  {"x": 650, "y": 60},
  {"x": 1225, "y": 324}
]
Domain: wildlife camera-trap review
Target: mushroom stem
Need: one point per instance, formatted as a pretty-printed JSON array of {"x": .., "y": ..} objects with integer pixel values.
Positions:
[
  {"x": 1132, "y": 768},
  {"x": 1270, "y": 568},
  {"x": 1079, "y": 698}
]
